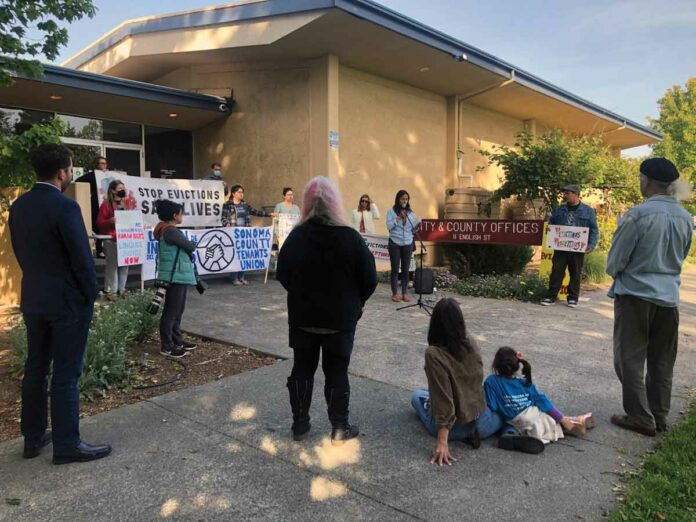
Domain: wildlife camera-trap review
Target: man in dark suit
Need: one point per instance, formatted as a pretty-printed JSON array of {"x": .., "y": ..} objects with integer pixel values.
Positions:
[{"x": 59, "y": 286}]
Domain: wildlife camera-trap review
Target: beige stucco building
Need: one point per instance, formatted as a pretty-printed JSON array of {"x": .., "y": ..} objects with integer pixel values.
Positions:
[{"x": 347, "y": 89}]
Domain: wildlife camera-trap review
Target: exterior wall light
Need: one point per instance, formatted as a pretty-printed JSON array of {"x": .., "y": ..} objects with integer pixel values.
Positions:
[
  {"x": 173, "y": 114},
  {"x": 56, "y": 97}
]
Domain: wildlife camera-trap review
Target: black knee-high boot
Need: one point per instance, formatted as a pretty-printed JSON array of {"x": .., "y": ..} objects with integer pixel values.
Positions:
[
  {"x": 337, "y": 404},
  {"x": 300, "y": 402}
]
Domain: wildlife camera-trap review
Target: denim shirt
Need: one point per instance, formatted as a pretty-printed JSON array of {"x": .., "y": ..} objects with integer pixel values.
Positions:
[
  {"x": 584, "y": 216},
  {"x": 648, "y": 250},
  {"x": 400, "y": 233}
]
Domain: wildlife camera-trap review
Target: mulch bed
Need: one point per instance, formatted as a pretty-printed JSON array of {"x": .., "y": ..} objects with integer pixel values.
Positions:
[{"x": 209, "y": 362}]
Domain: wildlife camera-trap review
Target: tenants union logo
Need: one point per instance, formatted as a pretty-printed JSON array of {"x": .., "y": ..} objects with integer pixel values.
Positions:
[{"x": 215, "y": 251}]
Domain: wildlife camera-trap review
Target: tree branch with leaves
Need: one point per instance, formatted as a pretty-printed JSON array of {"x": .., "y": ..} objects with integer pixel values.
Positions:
[{"x": 31, "y": 29}]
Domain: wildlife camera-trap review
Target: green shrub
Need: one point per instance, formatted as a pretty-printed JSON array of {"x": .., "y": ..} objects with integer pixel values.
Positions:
[
  {"x": 607, "y": 227},
  {"x": 594, "y": 267},
  {"x": 525, "y": 287},
  {"x": 114, "y": 328},
  {"x": 466, "y": 259}
]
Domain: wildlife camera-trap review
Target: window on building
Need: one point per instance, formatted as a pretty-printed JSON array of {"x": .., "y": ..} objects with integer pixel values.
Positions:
[
  {"x": 168, "y": 153},
  {"x": 102, "y": 130},
  {"x": 18, "y": 121}
]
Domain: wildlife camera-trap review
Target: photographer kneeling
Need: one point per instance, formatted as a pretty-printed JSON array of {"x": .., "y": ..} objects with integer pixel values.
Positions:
[{"x": 175, "y": 272}]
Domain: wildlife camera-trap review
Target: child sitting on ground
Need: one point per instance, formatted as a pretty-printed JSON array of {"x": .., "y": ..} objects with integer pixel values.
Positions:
[{"x": 526, "y": 409}]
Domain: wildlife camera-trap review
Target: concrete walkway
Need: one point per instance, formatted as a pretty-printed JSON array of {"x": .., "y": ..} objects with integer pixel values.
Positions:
[{"x": 223, "y": 450}]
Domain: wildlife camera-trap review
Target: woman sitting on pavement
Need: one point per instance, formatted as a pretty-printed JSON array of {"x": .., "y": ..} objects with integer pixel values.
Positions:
[
  {"x": 363, "y": 218},
  {"x": 525, "y": 409},
  {"x": 329, "y": 274},
  {"x": 174, "y": 266},
  {"x": 235, "y": 213},
  {"x": 453, "y": 407}
]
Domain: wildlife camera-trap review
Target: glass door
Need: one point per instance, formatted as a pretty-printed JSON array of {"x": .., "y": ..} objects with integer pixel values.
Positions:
[{"x": 124, "y": 160}]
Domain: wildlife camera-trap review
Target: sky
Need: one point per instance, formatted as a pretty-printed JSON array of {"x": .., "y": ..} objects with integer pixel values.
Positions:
[{"x": 620, "y": 54}]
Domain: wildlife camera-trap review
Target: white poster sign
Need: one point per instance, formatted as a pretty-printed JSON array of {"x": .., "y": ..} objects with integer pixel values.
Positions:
[
  {"x": 379, "y": 246},
  {"x": 130, "y": 237},
  {"x": 286, "y": 222},
  {"x": 569, "y": 239},
  {"x": 202, "y": 199},
  {"x": 221, "y": 250}
]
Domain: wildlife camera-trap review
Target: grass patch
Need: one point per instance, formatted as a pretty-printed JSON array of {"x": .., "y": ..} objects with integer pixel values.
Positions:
[
  {"x": 594, "y": 267},
  {"x": 665, "y": 486}
]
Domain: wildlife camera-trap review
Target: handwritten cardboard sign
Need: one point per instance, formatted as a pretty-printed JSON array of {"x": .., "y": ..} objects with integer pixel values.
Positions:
[{"x": 569, "y": 239}]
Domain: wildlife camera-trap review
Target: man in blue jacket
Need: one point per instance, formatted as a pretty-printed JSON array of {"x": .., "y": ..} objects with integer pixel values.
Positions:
[
  {"x": 573, "y": 213},
  {"x": 59, "y": 286}
]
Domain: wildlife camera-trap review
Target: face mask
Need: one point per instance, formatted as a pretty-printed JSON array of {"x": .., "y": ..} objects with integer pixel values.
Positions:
[
  {"x": 217, "y": 173},
  {"x": 121, "y": 193}
]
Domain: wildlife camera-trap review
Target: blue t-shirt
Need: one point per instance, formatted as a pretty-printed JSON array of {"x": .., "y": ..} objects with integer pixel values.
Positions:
[{"x": 509, "y": 396}]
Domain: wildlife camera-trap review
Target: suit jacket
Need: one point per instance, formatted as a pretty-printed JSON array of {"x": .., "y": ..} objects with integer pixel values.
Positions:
[{"x": 51, "y": 246}]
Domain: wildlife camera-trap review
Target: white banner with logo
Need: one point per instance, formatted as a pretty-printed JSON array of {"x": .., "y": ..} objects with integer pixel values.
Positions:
[
  {"x": 286, "y": 222},
  {"x": 221, "y": 250},
  {"x": 569, "y": 239},
  {"x": 202, "y": 200},
  {"x": 130, "y": 237},
  {"x": 379, "y": 246}
]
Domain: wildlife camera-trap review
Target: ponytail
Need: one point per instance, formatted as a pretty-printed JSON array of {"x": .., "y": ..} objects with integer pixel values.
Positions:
[{"x": 526, "y": 371}]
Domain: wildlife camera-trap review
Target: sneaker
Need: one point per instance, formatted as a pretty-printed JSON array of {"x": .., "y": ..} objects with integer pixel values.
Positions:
[
  {"x": 300, "y": 431},
  {"x": 237, "y": 282},
  {"x": 341, "y": 434},
  {"x": 177, "y": 352},
  {"x": 244, "y": 282},
  {"x": 523, "y": 443},
  {"x": 548, "y": 302},
  {"x": 396, "y": 298},
  {"x": 188, "y": 346},
  {"x": 406, "y": 298},
  {"x": 572, "y": 303}
]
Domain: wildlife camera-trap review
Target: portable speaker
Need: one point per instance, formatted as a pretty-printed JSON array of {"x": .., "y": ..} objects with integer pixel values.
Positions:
[{"x": 423, "y": 281}]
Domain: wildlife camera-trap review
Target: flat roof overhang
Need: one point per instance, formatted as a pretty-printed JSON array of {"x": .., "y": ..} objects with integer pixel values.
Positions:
[
  {"x": 364, "y": 35},
  {"x": 79, "y": 93}
]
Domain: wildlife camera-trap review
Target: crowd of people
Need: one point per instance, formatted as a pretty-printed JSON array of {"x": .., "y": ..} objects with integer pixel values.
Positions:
[{"x": 329, "y": 274}]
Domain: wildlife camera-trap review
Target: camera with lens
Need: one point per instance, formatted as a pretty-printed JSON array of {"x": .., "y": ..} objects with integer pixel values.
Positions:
[
  {"x": 156, "y": 302},
  {"x": 201, "y": 285}
]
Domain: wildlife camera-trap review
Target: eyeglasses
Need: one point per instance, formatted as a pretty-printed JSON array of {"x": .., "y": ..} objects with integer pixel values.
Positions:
[{"x": 364, "y": 201}]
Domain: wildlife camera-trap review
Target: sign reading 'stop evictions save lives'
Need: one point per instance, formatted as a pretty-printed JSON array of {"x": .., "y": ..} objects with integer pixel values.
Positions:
[{"x": 482, "y": 231}]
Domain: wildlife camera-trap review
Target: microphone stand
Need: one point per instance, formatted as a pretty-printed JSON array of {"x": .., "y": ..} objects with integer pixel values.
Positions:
[{"x": 426, "y": 307}]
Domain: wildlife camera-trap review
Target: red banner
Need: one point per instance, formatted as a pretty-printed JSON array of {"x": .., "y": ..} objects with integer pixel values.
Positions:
[{"x": 483, "y": 231}]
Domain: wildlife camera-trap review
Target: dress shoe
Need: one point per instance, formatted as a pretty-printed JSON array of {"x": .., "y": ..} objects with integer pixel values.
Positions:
[
  {"x": 622, "y": 421},
  {"x": 475, "y": 440},
  {"x": 523, "y": 443},
  {"x": 341, "y": 434},
  {"x": 83, "y": 453},
  {"x": 34, "y": 450}
]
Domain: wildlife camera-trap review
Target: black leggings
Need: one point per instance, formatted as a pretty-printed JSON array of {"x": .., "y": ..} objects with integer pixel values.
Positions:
[
  {"x": 335, "y": 352},
  {"x": 170, "y": 322},
  {"x": 399, "y": 254}
]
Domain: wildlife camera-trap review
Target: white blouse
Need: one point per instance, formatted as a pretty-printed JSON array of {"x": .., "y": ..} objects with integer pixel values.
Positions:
[{"x": 368, "y": 215}]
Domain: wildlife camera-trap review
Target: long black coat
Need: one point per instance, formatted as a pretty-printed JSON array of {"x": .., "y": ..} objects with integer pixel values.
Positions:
[{"x": 328, "y": 272}]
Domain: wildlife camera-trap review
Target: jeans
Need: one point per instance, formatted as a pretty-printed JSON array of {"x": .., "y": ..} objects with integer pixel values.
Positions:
[
  {"x": 335, "y": 352},
  {"x": 115, "y": 277},
  {"x": 170, "y": 322},
  {"x": 399, "y": 255},
  {"x": 574, "y": 262},
  {"x": 238, "y": 276},
  {"x": 62, "y": 340},
  {"x": 488, "y": 423}
]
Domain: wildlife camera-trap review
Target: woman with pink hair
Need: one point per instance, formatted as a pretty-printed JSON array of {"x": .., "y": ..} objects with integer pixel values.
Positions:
[{"x": 329, "y": 274}]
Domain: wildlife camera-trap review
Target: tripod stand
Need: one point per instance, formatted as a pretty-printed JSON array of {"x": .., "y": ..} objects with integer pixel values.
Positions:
[{"x": 426, "y": 307}]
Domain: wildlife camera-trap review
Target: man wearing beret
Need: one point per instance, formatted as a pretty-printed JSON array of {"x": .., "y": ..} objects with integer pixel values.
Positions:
[
  {"x": 574, "y": 214},
  {"x": 645, "y": 260}
]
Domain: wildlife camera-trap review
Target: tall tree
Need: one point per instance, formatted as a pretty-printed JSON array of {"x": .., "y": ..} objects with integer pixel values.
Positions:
[
  {"x": 30, "y": 30},
  {"x": 677, "y": 121}
]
